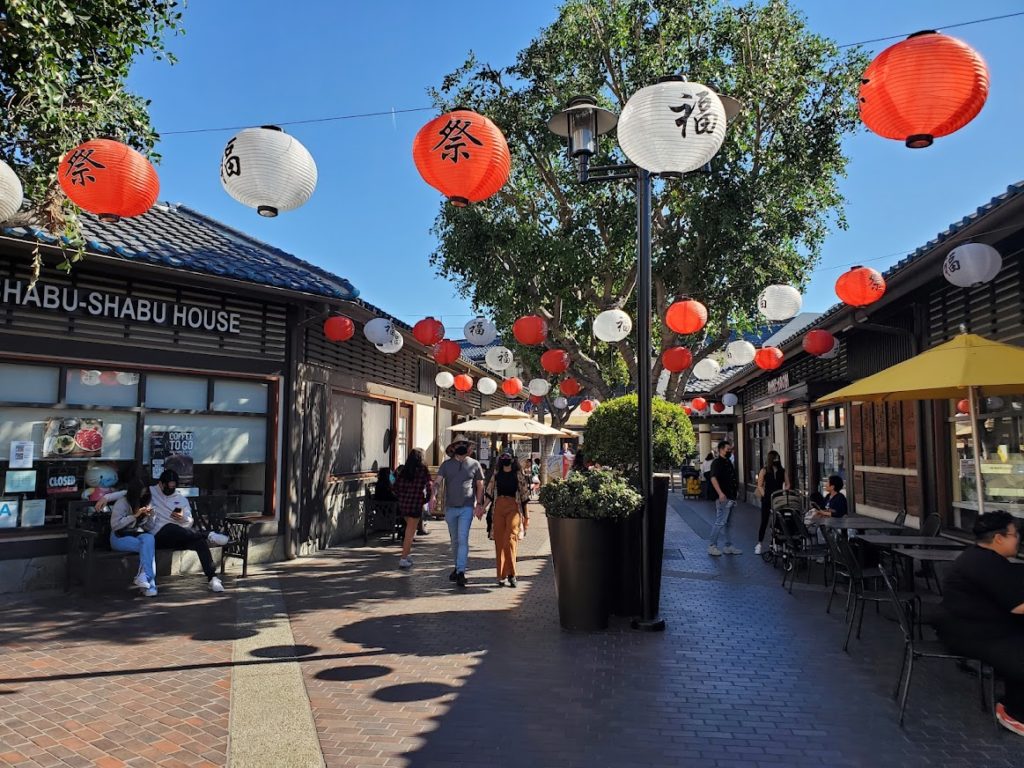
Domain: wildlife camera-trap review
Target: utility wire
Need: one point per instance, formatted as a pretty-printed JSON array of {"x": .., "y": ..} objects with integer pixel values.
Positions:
[{"x": 944, "y": 26}]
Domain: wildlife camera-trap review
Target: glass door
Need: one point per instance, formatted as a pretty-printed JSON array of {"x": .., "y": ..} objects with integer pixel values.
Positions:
[
  {"x": 404, "y": 434},
  {"x": 800, "y": 432}
]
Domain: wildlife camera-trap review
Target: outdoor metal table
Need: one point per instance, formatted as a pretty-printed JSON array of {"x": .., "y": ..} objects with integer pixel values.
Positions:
[
  {"x": 859, "y": 523},
  {"x": 930, "y": 542}
]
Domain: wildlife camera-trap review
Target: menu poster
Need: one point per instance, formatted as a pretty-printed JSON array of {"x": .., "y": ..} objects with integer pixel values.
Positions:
[
  {"x": 22, "y": 453},
  {"x": 172, "y": 449},
  {"x": 72, "y": 438},
  {"x": 62, "y": 480},
  {"x": 9, "y": 512},
  {"x": 33, "y": 513}
]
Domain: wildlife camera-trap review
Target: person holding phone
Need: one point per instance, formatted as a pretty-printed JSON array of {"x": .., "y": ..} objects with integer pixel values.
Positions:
[{"x": 129, "y": 509}]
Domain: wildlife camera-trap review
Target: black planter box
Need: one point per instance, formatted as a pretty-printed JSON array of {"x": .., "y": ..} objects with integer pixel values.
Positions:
[{"x": 582, "y": 550}]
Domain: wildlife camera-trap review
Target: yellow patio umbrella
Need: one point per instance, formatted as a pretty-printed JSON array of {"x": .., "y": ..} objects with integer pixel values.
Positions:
[{"x": 953, "y": 370}]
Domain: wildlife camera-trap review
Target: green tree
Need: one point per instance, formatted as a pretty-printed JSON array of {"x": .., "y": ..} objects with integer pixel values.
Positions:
[
  {"x": 63, "y": 67},
  {"x": 612, "y": 435},
  {"x": 550, "y": 245}
]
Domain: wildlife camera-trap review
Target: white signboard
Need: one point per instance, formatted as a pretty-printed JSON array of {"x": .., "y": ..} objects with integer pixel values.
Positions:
[{"x": 22, "y": 454}]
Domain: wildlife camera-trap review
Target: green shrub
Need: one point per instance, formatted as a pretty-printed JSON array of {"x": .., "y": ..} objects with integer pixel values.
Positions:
[
  {"x": 612, "y": 435},
  {"x": 600, "y": 494}
]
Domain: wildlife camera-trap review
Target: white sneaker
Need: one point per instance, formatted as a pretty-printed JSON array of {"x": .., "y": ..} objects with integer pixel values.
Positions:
[
  {"x": 217, "y": 539},
  {"x": 215, "y": 585},
  {"x": 757, "y": 548},
  {"x": 141, "y": 582},
  {"x": 151, "y": 592},
  {"x": 713, "y": 550},
  {"x": 405, "y": 562},
  {"x": 732, "y": 551}
]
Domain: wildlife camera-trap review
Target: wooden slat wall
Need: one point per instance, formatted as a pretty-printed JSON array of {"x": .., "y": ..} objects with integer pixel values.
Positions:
[{"x": 885, "y": 435}]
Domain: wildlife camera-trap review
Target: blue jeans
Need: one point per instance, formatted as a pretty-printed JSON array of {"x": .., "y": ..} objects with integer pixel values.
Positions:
[
  {"x": 723, "y": 522},
  {"x": 459, "y": 520},
  {"x": 145, "y": 545}
]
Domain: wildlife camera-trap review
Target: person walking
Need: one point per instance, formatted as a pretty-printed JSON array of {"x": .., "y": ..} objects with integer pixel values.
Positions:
[
  {"x": 413, "y": 488},
  {"x": 463, "y": 499},
  {"x": 770, "y": 479},
  {"x": 726, "y": 485},
  {"x": 511, "y": 495}
]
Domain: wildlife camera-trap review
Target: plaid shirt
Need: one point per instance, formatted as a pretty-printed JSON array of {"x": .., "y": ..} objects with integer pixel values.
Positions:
[{"x": 413, "y": 492}]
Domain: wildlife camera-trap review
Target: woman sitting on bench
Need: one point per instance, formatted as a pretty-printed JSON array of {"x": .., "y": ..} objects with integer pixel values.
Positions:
[{"x": 130, "y": 508}]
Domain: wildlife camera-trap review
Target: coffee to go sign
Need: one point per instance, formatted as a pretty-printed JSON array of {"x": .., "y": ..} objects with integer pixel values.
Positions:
[{"x": 118, "y": 306}]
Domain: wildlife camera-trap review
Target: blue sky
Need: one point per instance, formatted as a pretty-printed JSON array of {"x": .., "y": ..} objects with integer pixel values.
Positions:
[{"x": 255, "y": 62}]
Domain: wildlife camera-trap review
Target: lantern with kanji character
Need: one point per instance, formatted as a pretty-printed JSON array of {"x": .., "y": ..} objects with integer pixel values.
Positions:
[
  {"x": 339, "y": 328},
  {"x": 555, "y": 361},
  {"x": 109, "y": 178},
  {"x": 686, "y": 316},
  {"x": 570, "y": 386},
  {"x": 446, "y": 352},
  {"x": 612, "y": 325},
  {"x": 378, "y": 330},
  {"x": 487, "y": 386},
  {"x": 739, "y": 352},
  {"x": 818, "y": 342},
  {"x": 587, "y": 406},
  {"x": 11, "y": 193},
  {"x": 779, "y": 302},
  {"x": 706, "y": 369},
  {"x": 768, "y": 358},
  {"x": 444, "y": 380},
  {"x": 924, "y": 87},
  {"x": 676, "y": 359},
  {"x": 972, "y": 264},
  {"x": 499, "y": 358},
  {"x": 530, "y": 330},
  {"x": 428, "y": 332},
  {"x": 860, "y": 286},
  {"x": 480, "y": 331},
  {"x": 672, "y": 126},
  {"x": 512, "y": 386},
  {"x": 699, "y": 404},
  {"x": 266, "y": 169},
  {"x": 463, "y": 155},
  {"x": 393, "y": 344},
  {"x": 463, "y": 382}
]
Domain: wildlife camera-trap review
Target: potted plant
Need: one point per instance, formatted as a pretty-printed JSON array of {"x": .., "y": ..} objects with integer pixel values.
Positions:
[{"x": 581, "y": 512}]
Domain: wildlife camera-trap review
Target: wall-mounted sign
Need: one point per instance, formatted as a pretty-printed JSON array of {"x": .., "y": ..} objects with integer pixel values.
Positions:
[
  {"x": 72, "y": 438},
  {"x": 33, "y": 513},
  {"x": 62, "y": 480},
  {"x": 9, "y": 512},
  {"x": 22, "y": 453},
  {"x": 59, "y": 298},
  {"x": 20, "y": 481},
  {"x": 172, "y": 449},
  {"x": 778, "y": 384}
]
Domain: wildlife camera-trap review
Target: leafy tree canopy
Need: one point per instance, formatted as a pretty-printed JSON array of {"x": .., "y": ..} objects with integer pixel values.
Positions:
[
  {"x": 612, "y": 435},
  {"x": 548, "y": 244}
]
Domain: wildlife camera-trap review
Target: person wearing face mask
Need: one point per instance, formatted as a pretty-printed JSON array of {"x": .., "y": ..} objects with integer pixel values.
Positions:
[
  {"x": 726, "y": 485},
  {"x": 508, "y": 487},
  {"x": 171, "y": 524},
  {"x": 463, "y": 499}
]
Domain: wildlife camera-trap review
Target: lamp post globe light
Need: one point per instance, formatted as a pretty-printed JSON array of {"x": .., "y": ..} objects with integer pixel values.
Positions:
[{"x": 669, "y": 128}]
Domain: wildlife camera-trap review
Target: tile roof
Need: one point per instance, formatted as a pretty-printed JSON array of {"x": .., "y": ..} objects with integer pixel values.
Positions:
[{"x": 178, "y": 237}]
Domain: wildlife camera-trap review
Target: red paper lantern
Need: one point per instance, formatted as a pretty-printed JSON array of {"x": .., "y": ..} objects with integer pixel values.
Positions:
[
  {"x": 428, "y": 332},
  {"x": 688, "y": 410},
  {"x": 555, "y": 361},
  {"x": 530, "y": 330},
  {"x": 587, "y": 406},
  {"x": 109, "y": 178},
  {"x": 860, "y": 286},
  {"x": 686, "y": 316},
  {"x": 536, "y": 399},
  {"x": 463, "y": 382},
  {"x": 699, "y": 404},
  {"x": 463, "y": 155},
  {"x": 570, "y": 387},
  {"x": 964, "y": 406},
  {"x": 718, "y": 407},
  {"x": 446, "y": 352},
  {"x": 676, "y": 359},
  {"x": 818, "y": 342},
  {"x": 926, "y": 86},
  {"x": 339, "y": 328},
  {"x": 512, "y": 387},
  {"x": 768, "y": 358}
]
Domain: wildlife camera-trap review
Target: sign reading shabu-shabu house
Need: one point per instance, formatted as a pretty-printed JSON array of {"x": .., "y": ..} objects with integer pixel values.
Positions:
[{"x": 118, "y": 306}]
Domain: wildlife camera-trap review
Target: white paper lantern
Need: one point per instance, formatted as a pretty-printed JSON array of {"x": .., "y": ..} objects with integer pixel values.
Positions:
[
  {"x": 673, "y": 126},
  {"x": 612, "y": 325},
  {"x": 11, "y": 194},
  {"x": 444, "y": 380},
  {"x": 706, "y": 369},
  {"x": 90, "y": 378},
  {"x": 266, "y": 169},
  {"x": 394, "y": 343},
  {"x": 127, "y": 379},
  {"x": 779, "y": 302},
  {"x": 499, "y": 358},
  {"x": 480, "y": 331},
  {"x": 729, "y": 400},
  {"x": 739, "y": 352},
  {"x": 560, "y": 402},
  {"x": 487, "y": 386},
  {"x": 539, "y": 387},
  {"x": 972, "y": 264},
  {"x": 378, "y": 331}
]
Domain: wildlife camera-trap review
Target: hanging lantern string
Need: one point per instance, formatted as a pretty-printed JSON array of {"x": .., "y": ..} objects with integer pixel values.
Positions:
[{"x": 940, "y": 27}]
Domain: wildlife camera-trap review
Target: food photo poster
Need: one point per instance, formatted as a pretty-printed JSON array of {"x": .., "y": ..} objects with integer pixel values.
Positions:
[{"x": 72, "y": 438}]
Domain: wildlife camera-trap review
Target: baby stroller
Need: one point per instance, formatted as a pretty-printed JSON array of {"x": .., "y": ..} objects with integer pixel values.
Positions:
[{"x": 784, "y": 506}]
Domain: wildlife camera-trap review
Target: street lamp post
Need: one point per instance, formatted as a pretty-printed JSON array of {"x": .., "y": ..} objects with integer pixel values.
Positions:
[{"x": 582, "y": 123}]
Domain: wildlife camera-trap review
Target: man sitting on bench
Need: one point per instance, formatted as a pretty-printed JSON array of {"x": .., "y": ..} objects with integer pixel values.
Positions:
[{"x": 171, "y": 525}]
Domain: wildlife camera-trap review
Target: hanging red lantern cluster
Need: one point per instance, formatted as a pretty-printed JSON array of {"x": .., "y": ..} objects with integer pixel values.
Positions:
[
  {"x": 555, "y": 361},
  {"x": 818, "y": 342},
  {"x": 109, "y": 178},
  {"x": 512, "y": 387},
  {"x": 676, "y": 359},
  {"x": 924, "y": 87},
  {"x": 463, "y": 155},
  {"x": 428, "y": 331},
  {"x": 768, "y": 358},
  {"x": 463, "y": 382},
  {"x": 686, "y": 316},
  {"x": 446, "y": 352},
  {"x": 530, "y": 330},
  {"x": 587, "y": 406},
  {"x": 339, "y": 328},
  {"x": 570, "y": 387},
  {"x": 699, "y": 404},
  {"x": 964, "y": 406},
  {"x": 860, "y": 286}
]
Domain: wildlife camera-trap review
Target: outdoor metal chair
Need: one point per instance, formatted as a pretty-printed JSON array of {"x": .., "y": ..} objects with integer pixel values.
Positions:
[
  {"x": 931, "y": 526},
  {"x": 901, "y": 517},
  {"x": 919, "y": 649},
  {"x": 803, "y": 547}
]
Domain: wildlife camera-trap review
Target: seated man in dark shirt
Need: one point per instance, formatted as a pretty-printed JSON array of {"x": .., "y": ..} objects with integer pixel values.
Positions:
[
  {"x": 983, "y": 603},
  {"x": 834, "y": 503}
]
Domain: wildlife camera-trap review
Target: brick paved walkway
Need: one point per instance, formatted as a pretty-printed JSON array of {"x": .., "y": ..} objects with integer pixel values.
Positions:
[{"x": 401, "y": 670}]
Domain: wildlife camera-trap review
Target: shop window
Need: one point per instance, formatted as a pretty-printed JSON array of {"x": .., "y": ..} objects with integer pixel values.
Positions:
[
  {"x": 830, "y": 444},
  {"x": 179, "y": 393},
  {"x": 1001, "y": 426},
  {"x": 89, "y": 386},
  {"x": 28, "y": 384},
  {"x": 360, "y": 435},
  {"x": 239, "y": 396}
]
